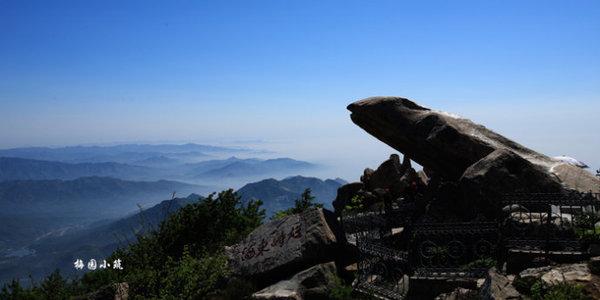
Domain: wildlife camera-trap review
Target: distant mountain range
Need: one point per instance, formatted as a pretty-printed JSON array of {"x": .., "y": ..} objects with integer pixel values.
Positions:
[
  {"x": 235, "y": 167},
  {"x": 127, "y": 153},
  {"x": 224, "y": 173},
  {"x": 12, "y": 168},
  {"x": 280, "y": 194},
  {"x": 160, "y": 161},
  {"x": 86, "y": 194}
]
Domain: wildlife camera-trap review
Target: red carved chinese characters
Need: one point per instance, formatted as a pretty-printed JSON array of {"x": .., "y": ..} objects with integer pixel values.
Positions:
[
  {"x": 262, "y": 247},
  {"x": 296, "y": 232},
  {"x": 278, "y": 238},
  {"x": 248, "y": 252}
]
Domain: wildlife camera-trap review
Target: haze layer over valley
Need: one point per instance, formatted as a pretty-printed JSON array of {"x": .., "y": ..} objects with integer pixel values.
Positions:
[{"x": 89, "y": 200}]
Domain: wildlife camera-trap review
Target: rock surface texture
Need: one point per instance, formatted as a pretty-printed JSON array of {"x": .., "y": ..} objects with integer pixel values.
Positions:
[
  {"x": 467, "y": 167},
  {"x": 345, "y": 194},
  {"x": 392, "y": 180},
  {"x": 449, "y": 145},
  {"x": 498, "y": 287},
  {"x": 571, "y": 273},
  {"x": 287, "y": 245},
  {"x": 313, "y": 283}
]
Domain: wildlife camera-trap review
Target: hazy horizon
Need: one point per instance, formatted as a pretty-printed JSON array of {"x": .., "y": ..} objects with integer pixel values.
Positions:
[{"x": 283, "y": 72}]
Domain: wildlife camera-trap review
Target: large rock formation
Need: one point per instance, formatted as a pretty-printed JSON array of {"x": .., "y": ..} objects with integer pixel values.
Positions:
[
  {"x": 449, "y": 145},
  {"x": 388, "y": 175},
  {"x": 471, "y": 166},
  {"x": 391, "y": 181},
  {"x": 285, "y": 246}
]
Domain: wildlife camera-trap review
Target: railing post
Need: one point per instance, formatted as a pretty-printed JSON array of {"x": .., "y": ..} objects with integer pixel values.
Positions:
[{"x": 548, "y": 230}]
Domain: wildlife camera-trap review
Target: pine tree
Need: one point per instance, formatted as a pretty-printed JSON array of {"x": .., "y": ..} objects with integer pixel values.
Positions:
[
  {"x": 306, "y": 201},
  {"x": 54, "y": 287}
]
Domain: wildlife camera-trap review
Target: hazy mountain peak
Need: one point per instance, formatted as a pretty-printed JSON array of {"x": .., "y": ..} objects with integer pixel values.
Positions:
[{"x": 280, "y": 194}]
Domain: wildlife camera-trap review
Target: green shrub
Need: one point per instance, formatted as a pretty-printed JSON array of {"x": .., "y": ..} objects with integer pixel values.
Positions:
[
  {"x": 356, "y": 204},
  {"x": 565, "y": 291},
  {"x": 306, "y": 201},
  {"x": 54, "y": 287},
  {"x": 481, "y": 263},
  {"x": 340, "y": 290},
  {"x": 562, "y": 291},
  {"x": 194, "y": 278},
  {"x": 585, "y": 228},
  {"x": 14, "y": 291},
  {"x": 182, "y": 259},
  {"x": 93, "y": 281},
  {"x": 524, "y": 284}
]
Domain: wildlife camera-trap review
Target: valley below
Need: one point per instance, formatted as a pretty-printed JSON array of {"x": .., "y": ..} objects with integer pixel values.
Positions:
[{"x": 62, "y": 204}]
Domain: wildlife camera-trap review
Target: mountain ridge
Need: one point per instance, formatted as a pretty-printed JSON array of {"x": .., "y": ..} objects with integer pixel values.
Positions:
[
  {"x": 16, "y": 168},
  {"x": 280, "y": 194},
  {"x": 255, "y": 167},
  {"x": 116, "y": 153},
  {"x": 73, "y": 195}
]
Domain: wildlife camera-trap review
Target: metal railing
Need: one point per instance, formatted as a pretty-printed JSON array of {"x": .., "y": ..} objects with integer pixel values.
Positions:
[{"x": 393, "y": 247}]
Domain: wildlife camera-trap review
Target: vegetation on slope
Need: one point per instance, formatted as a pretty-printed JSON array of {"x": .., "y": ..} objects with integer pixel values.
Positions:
[
  {"x": 306, "y": 201},
  {"x": 182, "y": 259}
]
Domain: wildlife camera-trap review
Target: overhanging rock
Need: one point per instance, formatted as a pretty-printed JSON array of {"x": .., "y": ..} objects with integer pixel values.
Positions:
[{"x": 449, "y": 145}]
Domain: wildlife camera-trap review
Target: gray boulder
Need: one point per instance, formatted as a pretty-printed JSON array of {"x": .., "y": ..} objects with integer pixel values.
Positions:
[
  {"x": 498, "y": 287},
  {"x": 449, "y": 145},
  {"x": 283, "y": 247},
  {"x": 313, "y": 283},
  {"x": 345, "y": 194},
  {"x": 388, "y": 174},
  {"x": 366, "y": 176},
  {"x": 573, "y": 273},
  {"x": 552, "y": 275}
]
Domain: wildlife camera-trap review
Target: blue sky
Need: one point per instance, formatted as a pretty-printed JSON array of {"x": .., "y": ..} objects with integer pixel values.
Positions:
[{"x": 75, "y": 72}]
